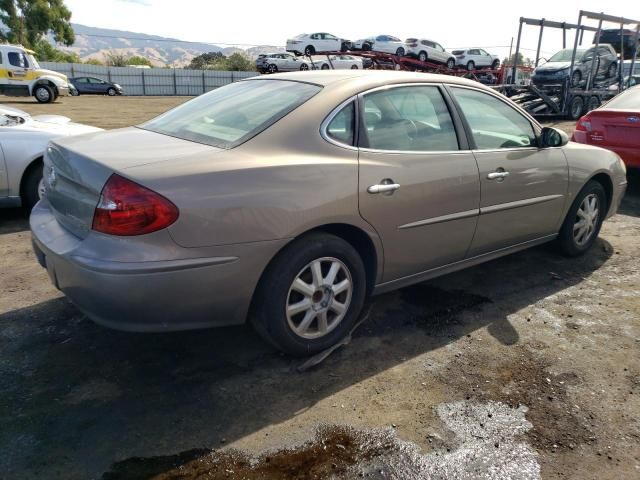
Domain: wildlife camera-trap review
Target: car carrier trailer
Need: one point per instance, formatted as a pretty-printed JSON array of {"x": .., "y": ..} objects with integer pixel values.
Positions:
[{"x": 564, "y": 99}]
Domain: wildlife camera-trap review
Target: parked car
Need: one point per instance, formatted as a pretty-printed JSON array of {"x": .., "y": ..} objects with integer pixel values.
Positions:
[
  {"x": 308, "y": 44},
  {"x": 614, "y": 126},
  {"x": 258, "y": 200},
  {"x": 472, "y": 58},
  {"x": 346, "y": 62},
  {"x": 429, "y": 51},
  {"x": 21, "y": 76},
  {"x": 381, "y": 43},
  {"x": 285, "y": 62},
  {"x": 23, "y": 140},
  {"x": 556, "y": 70},
  {"x": 627, "y": 44},
  {"x": 95, "y": 86}
]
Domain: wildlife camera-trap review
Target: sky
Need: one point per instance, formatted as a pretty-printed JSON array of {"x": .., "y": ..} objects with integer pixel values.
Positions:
[{"x": 455, "y": 23}]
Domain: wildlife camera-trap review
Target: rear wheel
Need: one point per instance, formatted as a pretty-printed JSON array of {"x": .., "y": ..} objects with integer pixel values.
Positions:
[
  {"x": 75, "y": 92},
  {"x": 309, "y": 50},
  {"x": 272, "y": 68},
  {"x": 304, "y": 66},
  {"x": 354, "y": 67},
  {"x": 471, "y": 65},
  {"x": 44, "y": 94},
  {"x": 325, "y": 66},
  {"x": 576, "y": 107},
  {"x": 594, "y": 102},
  {"x": 366, "y": 47},
  {"x": 495, "y": 64},
  {"x": 311, "y": 295},
  {"x": 33, "y": 186},
  {"x": 111, "y": 92},
  {"x": 582, "y": 224}
]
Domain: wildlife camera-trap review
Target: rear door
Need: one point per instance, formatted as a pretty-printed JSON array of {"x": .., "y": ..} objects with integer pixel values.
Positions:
[
  {"x": 523, "y": 187},
  {"x": 419, "y": 184},
  {"x": 82, "y": 84}
]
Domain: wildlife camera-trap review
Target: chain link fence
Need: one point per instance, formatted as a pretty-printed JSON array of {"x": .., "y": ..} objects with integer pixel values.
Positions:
[{"x": 152, "y": 81}]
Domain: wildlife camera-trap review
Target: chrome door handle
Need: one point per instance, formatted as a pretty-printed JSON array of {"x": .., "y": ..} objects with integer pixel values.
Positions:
[
  {"x": 383, "y": 188},
  {"x": 494, "y": 175}
]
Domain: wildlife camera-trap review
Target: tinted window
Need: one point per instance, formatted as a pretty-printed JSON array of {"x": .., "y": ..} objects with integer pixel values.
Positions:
[
  {"x": 232, "y": 114},
  {"x": 408, "y": 119},
  {"x": 342, "y": 127},
  {"x": 18, "y": 60},
  {"x": 96, "y": 80},
  {"x": 493, "y": 123}
]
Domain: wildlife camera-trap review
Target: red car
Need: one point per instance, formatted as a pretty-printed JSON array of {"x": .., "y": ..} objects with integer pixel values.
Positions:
[{"x": 614, "y": 126}]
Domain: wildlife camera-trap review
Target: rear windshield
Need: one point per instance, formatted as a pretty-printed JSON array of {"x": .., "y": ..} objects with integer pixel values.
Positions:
[
  {"x": 627, "y": 100},
  {"x": 411, "y": 40},
  {"x": 458, "y": 52},
  {"x": 231, "y": 115}
]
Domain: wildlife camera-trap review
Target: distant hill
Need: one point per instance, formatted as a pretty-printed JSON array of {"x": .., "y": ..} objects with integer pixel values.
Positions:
[{"x": 93, "y": 42}]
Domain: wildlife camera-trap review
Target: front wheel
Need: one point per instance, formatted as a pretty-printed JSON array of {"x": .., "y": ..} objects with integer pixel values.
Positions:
[
  {"x": 400, "y": 52},
  {"x": 44, "y": 94},
  {"x": 576, "y": 107},
  {"x": 422, "y": 56},
  {"x": 451, "y": 63},
  {"x": 304, "y": 67},
  {"x": 325, "y": 66},
  {"x": 582, "y": 224},
  {"x": 272, "y": 68},
  {"x": 495, "y": 64},
  {"x": 354, "y": 67},
  {"x": 311, "y": 295},
  {"x": 471, "y": 65},
  {"x": 32, "y": 187}
]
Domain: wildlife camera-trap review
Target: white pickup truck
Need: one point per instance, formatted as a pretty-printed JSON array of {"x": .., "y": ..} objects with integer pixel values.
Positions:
[{"x": 21, "y": 76}]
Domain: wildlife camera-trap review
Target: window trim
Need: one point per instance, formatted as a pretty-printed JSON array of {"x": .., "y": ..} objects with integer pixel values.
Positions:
[
  {"x": 461, "y": 134},
  {"x": 329, "y": 118},
  {"x": 537, "y": 128}
]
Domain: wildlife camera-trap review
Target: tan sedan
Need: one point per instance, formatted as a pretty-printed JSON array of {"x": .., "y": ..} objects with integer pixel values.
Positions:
[{"x": 287, "y": 199}]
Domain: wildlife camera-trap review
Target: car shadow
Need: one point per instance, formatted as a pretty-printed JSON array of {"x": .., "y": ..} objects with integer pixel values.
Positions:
[
  {"x": 13, "y": 220},
  {"x": 78, "y": 397},
  {"x": 631, "y": 202}
]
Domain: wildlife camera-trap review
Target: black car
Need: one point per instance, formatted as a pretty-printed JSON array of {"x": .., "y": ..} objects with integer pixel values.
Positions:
[
  {"x": 95, "y": 86},
  {"x": 626, "y": 42}
]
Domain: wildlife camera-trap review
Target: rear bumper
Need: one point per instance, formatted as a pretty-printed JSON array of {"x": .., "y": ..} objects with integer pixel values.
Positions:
[
  {"x": 147, "y": 296},
  {"x": 629, "y": 155}
]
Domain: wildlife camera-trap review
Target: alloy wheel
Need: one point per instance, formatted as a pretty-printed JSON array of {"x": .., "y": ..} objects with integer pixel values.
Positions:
[
  {"x": 43, "y": 94},
  {"x": 319, "y": 298},
  {"x": 586, "y": 219}
]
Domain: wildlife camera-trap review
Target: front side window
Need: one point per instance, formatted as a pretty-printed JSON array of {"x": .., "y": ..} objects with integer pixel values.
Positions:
[
  {"x": 493, "y": 123},
  {"x": 407, "y": 119},
  {"x": 230, "y": 115},
  {"x": 18, "y": 59},
  {"x": 342, "y": 126}
]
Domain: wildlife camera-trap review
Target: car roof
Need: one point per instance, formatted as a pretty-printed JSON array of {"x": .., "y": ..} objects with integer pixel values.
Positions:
[{"x": 368, "y": 78}]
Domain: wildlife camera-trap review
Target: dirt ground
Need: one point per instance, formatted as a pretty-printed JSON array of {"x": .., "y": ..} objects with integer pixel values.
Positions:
[{"x": 525, "y": 367}]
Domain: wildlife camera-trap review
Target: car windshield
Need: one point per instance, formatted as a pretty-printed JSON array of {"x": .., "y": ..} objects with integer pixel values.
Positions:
[
  {"x": 32, "y": 61},
  {"x": 458, "y": 52},
  {"x": 627, "y": 100},
  {"x": 231, "y": 115},
  {"x": 565, "y": 55}
]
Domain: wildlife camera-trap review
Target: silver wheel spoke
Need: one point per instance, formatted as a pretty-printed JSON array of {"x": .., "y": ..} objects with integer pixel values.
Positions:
[
  {"x": 341, "y": 287},
  {"x": 301, "y": 306},
  {"x": 323, "y": 323},
  {"x": 581, "y": 213},
  {"x": 338, "y": 307},
  {"x": 302, "y": 287},
  {"x": 316, "y": 271},
  {"x": 306, "y": 322},
  {"x": 333, "y": 271}
]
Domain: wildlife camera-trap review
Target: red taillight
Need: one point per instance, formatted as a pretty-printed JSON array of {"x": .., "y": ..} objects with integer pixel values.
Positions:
[
  {"x": 584, "y": 124},
  {"x": 126, "y": 208}
]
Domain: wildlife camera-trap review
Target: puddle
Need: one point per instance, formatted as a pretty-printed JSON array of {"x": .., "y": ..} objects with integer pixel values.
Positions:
[{"x": 488, "y": 447}]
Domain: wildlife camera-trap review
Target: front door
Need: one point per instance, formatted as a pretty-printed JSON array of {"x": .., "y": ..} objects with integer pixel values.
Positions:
[
  {"x": 18, "y": 72},
  {"x": 418, "y": 185},
  {"x": 523, "y": 187}
]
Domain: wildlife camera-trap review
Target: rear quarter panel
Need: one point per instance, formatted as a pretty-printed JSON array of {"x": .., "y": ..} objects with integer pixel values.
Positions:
[{"x": 20, "y": 150}]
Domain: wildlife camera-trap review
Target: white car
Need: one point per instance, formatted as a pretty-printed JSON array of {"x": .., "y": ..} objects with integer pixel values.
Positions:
[
  {"x": 310, "y": 43},
  {"x": 427, "y": 50},
  {"x": 283, "y": 62},
  {"x": 381, "y": 43},
  {"x": 472, "y": 58},
  {"x": 346, "y": 62},
  {"x": 23, "y": 140}
]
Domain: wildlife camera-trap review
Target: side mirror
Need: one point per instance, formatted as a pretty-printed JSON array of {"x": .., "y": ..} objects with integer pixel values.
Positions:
[{"x": 552, "y": 137}]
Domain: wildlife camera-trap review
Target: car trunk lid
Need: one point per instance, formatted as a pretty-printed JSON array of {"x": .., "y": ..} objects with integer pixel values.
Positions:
[{"x": 615, "y": 128}]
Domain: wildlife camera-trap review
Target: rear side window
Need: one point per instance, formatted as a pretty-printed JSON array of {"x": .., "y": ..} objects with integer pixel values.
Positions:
[
  {"x": 494, "y": 124},
  {"x": 408, "y": 119},
  {"x": 342, "y": 127},
  {"x": 232, "y": 114}
]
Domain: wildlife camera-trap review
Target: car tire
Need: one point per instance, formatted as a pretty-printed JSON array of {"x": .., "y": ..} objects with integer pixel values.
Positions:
[
  {"x": 576, "y": 107},
  {"x": 451, "y": 63},
  {"x": 576, "y": 78},
  {"x": 325, "y": 66},
  {"x": 304, "y": 67},
  {"x": 75, "y": 92},
  {"x": 354, "y": 67},
  {"x": 594, "y": 102},
  {"x": 44, "y": 94},
  {"x": 423, "y": 56},
  {"x": 366, "y": 47},
  {"x": 471, "y": 65},
  {"x": 272, "y": 68},
  {"x": 613, "y": 70},
  {"x": 400, "y": 52},
  {"x": 495, "y": 65},
  {"x": 112, "y": 92},
  {"x": 294, "y": 265},
  {"x": 309, "y": 50},
  {"x": 32, "y": 187},
  {"x": 572, "y": 239}
]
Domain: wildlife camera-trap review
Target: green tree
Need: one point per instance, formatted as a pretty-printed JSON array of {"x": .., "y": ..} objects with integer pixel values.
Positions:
[
  {"x": 48, "y": 53},
  {"x": 94, "y": 61},
  {"x": 239, "y": 62},
  {"x": 28, "y": 21},
  {"x": 206, "y": 61},
  {"x": 138, "y": 60},
  {"x": 522, "y": 61},
  {"x": 115, "y": 59}
]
